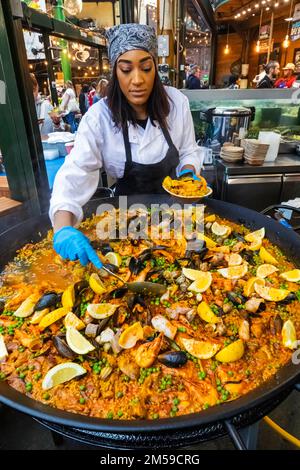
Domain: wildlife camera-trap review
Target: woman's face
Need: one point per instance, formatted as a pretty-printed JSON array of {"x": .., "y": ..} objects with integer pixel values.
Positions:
[{"x": 136, "y": 74}]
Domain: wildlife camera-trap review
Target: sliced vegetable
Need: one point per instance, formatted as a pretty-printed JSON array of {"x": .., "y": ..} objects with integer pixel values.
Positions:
[
  {"x": 206, "y": 313},
  {"x": 68, "y": 298},
  {"x": 231, "y": 353},
  {"x": 62, "y": 373},
  {"x": 52, "y": 317},
  {"x": 101, "y": 311},
  {"x": 289, "y": 336},
  {"x": 200, "y": 349},
  {"x": 27, "y": 307},
  {"x": 77, "y": 342}
]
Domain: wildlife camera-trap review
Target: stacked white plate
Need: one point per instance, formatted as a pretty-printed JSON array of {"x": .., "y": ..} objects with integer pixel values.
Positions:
[
  {"x": 231, "y": 154},
  {"x": 255, "y": 152}
]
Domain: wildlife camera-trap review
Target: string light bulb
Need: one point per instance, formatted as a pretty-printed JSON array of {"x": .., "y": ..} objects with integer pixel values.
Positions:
[
  {"x": 257, "y": 48},
  {"x": 286, "y": 42},
  {"x": 226, "y": 50}
]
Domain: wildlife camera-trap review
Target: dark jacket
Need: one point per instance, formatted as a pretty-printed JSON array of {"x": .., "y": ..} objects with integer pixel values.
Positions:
[
  {"x": 266, "y": 82},
  {"x": 193, "y": 83},
  {"x": 83, "y": 103}
]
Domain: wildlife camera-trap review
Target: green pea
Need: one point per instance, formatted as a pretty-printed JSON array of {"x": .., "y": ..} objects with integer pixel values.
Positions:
[
  {"x": 120, "y": 413},
  {"x": 46, "y": 396},
  {"x": 110, "y": 415}
]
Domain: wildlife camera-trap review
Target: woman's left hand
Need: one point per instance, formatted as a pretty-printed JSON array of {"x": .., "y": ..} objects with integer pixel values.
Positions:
[{"x": 188, "y": 173}]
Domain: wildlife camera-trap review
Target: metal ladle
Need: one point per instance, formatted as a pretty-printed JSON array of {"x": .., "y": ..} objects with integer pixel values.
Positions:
[{"x": 140, "y": 287}]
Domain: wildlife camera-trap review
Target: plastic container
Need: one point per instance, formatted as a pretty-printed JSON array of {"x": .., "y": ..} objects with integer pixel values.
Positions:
[
  {"x": 60, "y": 147},
  {"x": 273, "y": 139},
  {"x": 51, "y": 154},
  {"x": 69, "y": 147}
]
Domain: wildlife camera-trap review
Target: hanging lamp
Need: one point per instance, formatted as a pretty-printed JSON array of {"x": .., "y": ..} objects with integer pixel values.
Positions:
[
  {"x": 226, "y": 50},
  {"x": 286, "y": 41},
  {"x": 260, "y": 23}
]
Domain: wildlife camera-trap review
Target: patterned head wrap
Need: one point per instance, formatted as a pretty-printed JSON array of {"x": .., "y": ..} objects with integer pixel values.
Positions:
[{"x": 127, "y": 37}]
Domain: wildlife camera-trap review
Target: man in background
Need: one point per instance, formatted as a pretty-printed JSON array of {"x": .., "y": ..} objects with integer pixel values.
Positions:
[
  {"x": 193, "y": 82},
  {"x": 288, "y": 78},
  {"x": 272, "y": 70}
]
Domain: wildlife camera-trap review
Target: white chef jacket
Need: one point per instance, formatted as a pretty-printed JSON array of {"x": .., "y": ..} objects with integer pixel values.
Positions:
[{"x": 99, "y": 144}]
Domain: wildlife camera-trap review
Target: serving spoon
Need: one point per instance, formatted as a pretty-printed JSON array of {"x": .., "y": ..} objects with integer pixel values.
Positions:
[{"x": 139, "y": 287}]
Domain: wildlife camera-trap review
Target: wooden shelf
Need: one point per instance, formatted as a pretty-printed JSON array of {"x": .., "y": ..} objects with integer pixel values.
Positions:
[
  {"x": 4, "y": 188},
  {"x": 8, "y": 205}
]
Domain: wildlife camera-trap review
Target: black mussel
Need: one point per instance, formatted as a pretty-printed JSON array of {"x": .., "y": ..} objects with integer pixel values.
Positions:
[
  {"x": 248, "y": 256},
  {"x": 62, "y": 348},
  {"x": 236, "y": 299},
  {"x": 289, "y": 298},
  {"x": 118, "y": 293},
  {"x": 80, "y": 286},
  {"x": 173, "y": 358},
  {"x": 238, "y": 236},
  {"x": 2, "y": 305},
  {"x": 101, "y": 246},
  {"x": 50, "y": 299},
  {"x": 130, "y": 300},
  {"x": 112, "y": 267}
]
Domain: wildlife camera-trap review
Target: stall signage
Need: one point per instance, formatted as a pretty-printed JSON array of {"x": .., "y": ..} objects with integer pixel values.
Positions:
[
  {"x": 295, "y": 31},
  {"x": 264, "y": 32}
]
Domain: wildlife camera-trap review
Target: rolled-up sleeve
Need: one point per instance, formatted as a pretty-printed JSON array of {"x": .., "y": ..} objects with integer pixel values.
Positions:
[
  {"x": 189, "y": 152},
  {"x": 77, "y": 179}
]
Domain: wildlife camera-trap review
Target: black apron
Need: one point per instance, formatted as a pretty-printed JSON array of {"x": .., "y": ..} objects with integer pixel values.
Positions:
[{"x": 140, "y": 178}]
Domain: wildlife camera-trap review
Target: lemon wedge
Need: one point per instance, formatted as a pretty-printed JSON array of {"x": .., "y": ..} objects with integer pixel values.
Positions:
[
  {"x": 265, "y": 270},
  {"x": 210, "y": 218},
  {"x": 270, "y": 293},
  {"x": 291, "y": 276},
  {"x": 3, "y": 350},
  {"x": 256, "y": 244},
  {"x": 191, "y": 274},
  {"x": 249, "y": 286},
  {"x": 114, "y": 258},
  {"x": 27, "y": 307},
  {"x": 62, "y": 373},
  {"x": 200, "y": 349},
  {"x": 220, "y": 230},
  {"x": 96, "y": 284},
  {"x": 72, "y": 320},
  {"x": 52, "y": 317},
  {"x": 234, "y": 272},
  {"x": 266, "y": 256},
  {"x": 209, "y": 242},
  {"x": 68, "y": 298},
  {"x": 38, "y": 315},
  {"x": 231, "y": 353},
  {"x": 206, "y": 313},
  {"x": 77, "y": 342},
  {"x": 101, "y": 311},
  {"x": 131, "y": 336},
  {"x": 253, "y": 236},
  {"x": 288, "y": 332},
  {"x": 202, "y": 283}
]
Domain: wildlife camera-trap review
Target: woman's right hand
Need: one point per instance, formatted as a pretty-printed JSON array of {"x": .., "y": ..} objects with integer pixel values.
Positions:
[{"x": 72, "y": 244}]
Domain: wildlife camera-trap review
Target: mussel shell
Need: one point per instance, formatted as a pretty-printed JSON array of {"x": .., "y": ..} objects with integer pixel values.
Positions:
[
  {"x": 289, "y": 298},
  {"x": 262, "y": 307},
  {"x": 103, "y": 247},
  {"x": 2, "y": 305},
  {"x": 236, "y": 299},
  {"x": 118, "y": 293},
  {"x": 49, "y": 299},
  {"x": 239, "y": 237},
  {"x": 248, "y": 256},
  {"x": 112, "y": 267},
  {"x": 62, "y": 348},
  {"x": 80, "y": 286},
  {"x": 173, "y": 358}
]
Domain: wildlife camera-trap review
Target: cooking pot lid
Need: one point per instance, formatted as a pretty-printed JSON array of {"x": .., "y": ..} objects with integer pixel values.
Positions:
[{"x": 222, "y": 111}]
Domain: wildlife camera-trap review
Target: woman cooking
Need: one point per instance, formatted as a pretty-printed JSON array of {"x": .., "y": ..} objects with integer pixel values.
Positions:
[{"x": 140, "y": 133}]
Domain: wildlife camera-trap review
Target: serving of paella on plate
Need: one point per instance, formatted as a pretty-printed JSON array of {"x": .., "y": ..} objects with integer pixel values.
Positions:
[
  {"x": 188, "y": 188},
  {"x": 81, "y": 341}
]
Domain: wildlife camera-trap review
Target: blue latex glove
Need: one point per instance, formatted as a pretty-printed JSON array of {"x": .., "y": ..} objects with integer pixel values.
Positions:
[
  {"x": 71, "y": 244},
  {"x": 188, "y": 174}
]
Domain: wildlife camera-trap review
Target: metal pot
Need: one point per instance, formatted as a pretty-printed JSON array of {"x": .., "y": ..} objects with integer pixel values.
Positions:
[
  {"x": 224, "y": 123},
  {"x": 171, "y": 432}
]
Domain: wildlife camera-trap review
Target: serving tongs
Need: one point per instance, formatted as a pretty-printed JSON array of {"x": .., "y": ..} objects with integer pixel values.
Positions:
[{"x": 143, "y": 287}]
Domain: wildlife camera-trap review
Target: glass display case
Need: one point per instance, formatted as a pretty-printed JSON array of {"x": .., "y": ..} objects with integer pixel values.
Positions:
[{"x": 276, "y": 110}]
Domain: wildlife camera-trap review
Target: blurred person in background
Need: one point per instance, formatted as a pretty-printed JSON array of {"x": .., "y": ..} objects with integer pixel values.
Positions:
[
  {"x": 92, "y": 92},
  {"x": 84, "y": 99},
  {"x": 100, "y": 90},
  {"x": 272, "y": 70},
  {"x": 233, "y": 82},
  {"x": 193, "y": 82},
  {"x": 260, "y": 75},
  {"x": 288, "y": 77},
  {"x": 49, "y": 121},
  {"x": 69, "y": 106}
]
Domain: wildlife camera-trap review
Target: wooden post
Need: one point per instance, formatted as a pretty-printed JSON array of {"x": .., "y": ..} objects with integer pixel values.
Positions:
[{"x": 271, "y": 37}]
